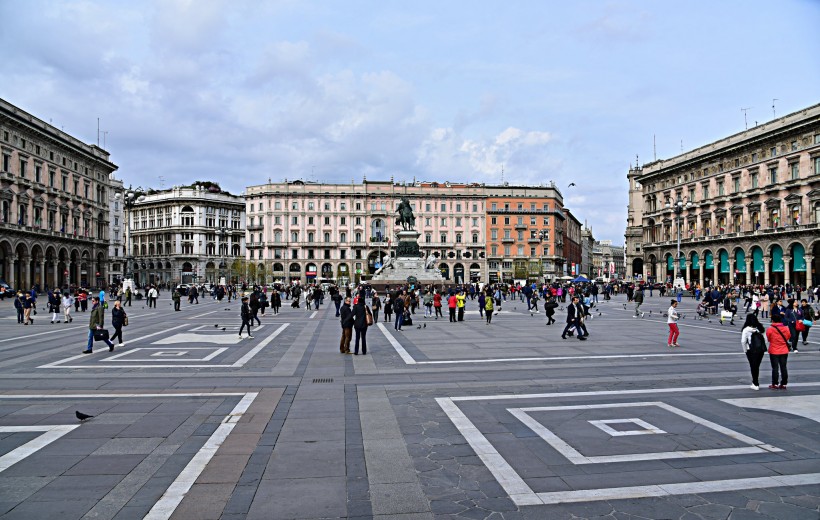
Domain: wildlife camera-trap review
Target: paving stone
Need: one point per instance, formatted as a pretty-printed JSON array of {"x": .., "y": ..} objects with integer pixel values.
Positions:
[
  {"x": 300, "y": 498},
  {"x": 789, "y": 511},
  {"x": 61, "y": 509},
  {"x": 106, "y": 465}
]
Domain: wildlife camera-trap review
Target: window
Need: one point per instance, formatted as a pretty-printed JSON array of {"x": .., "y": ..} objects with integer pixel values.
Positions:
[
  {"x": 294, "y": 254},
  {"x": 310, "y": 221},
  {"x": 22, "y": 168},
  {"x": 443, "y": 206},
  {"x": 310, "y": 236},
  {"x": 326, "y": 237},
  {"x": 294, "y": 236},
  {"x": 475, "y": 221},
  {"x": 443, "y": 221},
  {"x": 475, "y": 238},
  {"x": 773, "y": 175},
  {"x": 507, "y": 250},
  {"x": 475, "y": 206},
  {"x": 458, "y": 238},
  {"x": 343, "y": 221},
  {"x": 754, "y": 180},
  {"x": 705, "y": 188},
  {"x": 458, "y": 207},
  {"x": 277, "y": 205},
  {"x": 443, "y": 237},
  {"x": 458, "y": 221},
  {"x": 754, "y": 157},
  {"x": 428, "y": 238},
  {"x": 532, "y": 221},
  {"x": 38, "y": 171},
  {"x": 310, "y": 206},
  {"x": 51, "y": 179},
  {"x": 520, "y": 235},
  {"x": 507, "y": 233},
  {"x": 493, "y": 206},
  {"x": 546, "y": 221},
  {"x": 343, "y": 237},
  {"x": 358, "y": 237},
  {"x": 294, "y": 205},
  {"x": 736, "y": 184},
  {"x": 795, "y": 170},
  {"x": 520, "y": 206},
  {"x": 720, "y": 189},
  {"x": 343, "y": 254},
  {"x": 772, "y": 151},
  {"x": 794, "y": 146},
  {"x": 493, "y": 234},
  {"x": 358, "y": 221},
  {"x": 493, "y": 220},
  {"x": 817, "y": 165},
  {"x": 427, "y": 221},
  {"x": 294, "y": 221},
  {"x": 506, "y": 221},
  {"x": 520, "y": 221},
  {"x": 277, "y": 220},
  {"x": 494, "y": 250},
  {"x": 427, "y": 207}
]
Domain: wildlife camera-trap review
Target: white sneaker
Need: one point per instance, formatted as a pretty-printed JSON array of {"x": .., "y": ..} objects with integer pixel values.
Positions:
[
  {"x": 240, "y": 336},
  {"x": 120, "y": 344},
  {"x": 642, "y": 314},
  {"x": 754, "y": 387}
]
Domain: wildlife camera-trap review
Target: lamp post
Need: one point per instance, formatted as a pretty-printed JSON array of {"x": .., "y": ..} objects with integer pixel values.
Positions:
[
  {"x": 677, "y": 206},
  {"x": 129, "y": 198},
  {"x": 223, "y": 234}
]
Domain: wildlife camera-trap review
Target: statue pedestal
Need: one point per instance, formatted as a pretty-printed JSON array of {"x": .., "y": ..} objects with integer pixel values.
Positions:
[
  {"x": 408, "y": 246},
  {"x": 408, "y": 264}
]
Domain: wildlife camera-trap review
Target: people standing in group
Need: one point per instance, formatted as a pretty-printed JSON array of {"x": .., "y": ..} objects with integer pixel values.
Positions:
[
  {"x": 68, "y": 303},
  {"x": 790, "y": 317},
  {"x": 460, "y": 302},
  {"x": 96, "y": 322},
  {"x": 118, "y": 321},
  {"x": 361, "y": 318},
  {"x": 375, "y": 306},
  {"x": 347, "y": 321},
  {"x": 451, "y": 306},
  {"x": 437, "y": 305},
  {"x": 672, "y": 318},
  {"x": 778, "y": 335},
  {"x": 245, "y": 315},
  {"x": 755, "y": 344},
  {"x": 427, "y": 300}
]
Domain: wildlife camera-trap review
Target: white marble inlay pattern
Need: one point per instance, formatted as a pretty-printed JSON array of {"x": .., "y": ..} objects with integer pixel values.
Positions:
[{"x": 646, "y": 428}]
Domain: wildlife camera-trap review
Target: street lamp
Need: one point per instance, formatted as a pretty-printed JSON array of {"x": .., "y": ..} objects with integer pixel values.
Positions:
[
  {"x": 677, "y": 206},
  {"x": 129, "y": 198},
  {"x": 223, "y": 234}
]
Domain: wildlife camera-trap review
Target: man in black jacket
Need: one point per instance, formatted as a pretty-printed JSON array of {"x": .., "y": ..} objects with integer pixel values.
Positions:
[
  {"x": 245, "y": 313},
  {"x": 347, "y": 319},
  {"x": 575, "y": 313}
]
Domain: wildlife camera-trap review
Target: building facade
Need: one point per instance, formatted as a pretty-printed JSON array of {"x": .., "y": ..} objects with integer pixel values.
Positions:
[
  {"x": 587, "y": 252},
  {"x": 54, "y": 205},
  {"x": 525, "y": 232},
  {"x": 608, "y": 260},
  {"x": 116, "y": 236},
  {"x": 571, "y": 242},
  {"x": 340, "y": 232},
  {"x": 187, "y": 235},
  {"x": 751, "y": 208}
]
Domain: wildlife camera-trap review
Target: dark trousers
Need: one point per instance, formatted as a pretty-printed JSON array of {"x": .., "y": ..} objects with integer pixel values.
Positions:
[
  {"x": 461, "y": 314},
  {"x": 255, "y": 316},
  {"x": 778, "y": 362},
  {"x": 176, "y": 305},
  {"x": 361, "y": 334},
  {"x": 438, "y": 312},
  {"x": 117, "y": 334},
  {"x": 375, "y": 315},
  {"x": 399, "y": 320},
  {"x": 805, "y": 334},
  {"x": 338, "y": 304},
  {"x": 489, "y": 315},
  {"x": 550, "y": 319},
  {"x": 754, "y": 364},
  {"x": 344, "y": 343},
  {"x": 20, "y": 315},
  {"x": 571, "y": 325},
  {"x": 795, "y": 337},
  {"x": 246, "y": 322},
  {"x": 452, "y": 314}
]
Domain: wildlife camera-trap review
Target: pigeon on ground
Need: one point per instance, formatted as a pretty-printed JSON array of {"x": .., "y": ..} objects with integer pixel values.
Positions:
[
  {"x": 81, "y": 416},
  {"x": 216, "y": 325},
  {"x": 425, "y": 326},
  {"x": 650, "y": 313},
  {"x": 418, "y": 327},
  {"x": 223, "y": 328},
  {"x": 624, "y": 306}
]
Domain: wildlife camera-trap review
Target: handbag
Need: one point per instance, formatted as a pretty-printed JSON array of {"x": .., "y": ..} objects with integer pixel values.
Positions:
[
  {"x": 799, "y": 326},
  {"x": 368, "y": 316},
  {"x": 807, "y": 323},
  {"x": 726, "y": 315},
  {"x": 125, "y": 321},
  {"x": 105, "y": 305},
  {"x": 100, "y": 334}
]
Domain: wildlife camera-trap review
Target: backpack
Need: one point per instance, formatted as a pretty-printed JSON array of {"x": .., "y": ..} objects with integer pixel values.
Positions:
[{"x": 757, "y": 345}]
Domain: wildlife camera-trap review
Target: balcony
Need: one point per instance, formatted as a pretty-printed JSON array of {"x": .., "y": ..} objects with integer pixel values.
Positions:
[
  {"x": 520, "y": 226},
  {"x": 255, "y": 245},
  {"x": 256, "y": 227},
  {"x": 507, "y": 240},
  {"x": 533, "y": 240}
]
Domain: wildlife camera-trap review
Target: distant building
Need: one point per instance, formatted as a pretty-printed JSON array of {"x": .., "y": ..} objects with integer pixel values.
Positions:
[
  {"x": 587, "y": 248},
  {"x": 751, "y": 208},
  {"x": 571, "y": 243},
  {"x": 54, "y": 197},
  {"x": 116, "y": 233},
  {"x": 187, "y": 235},
  {"x": 608, "y": 260}
]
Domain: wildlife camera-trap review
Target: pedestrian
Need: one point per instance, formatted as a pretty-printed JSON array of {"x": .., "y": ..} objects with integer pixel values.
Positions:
[
  {"x": 128, "y": 296},
  {"x": 672, "y": 320},
  {"x": 153, "y": 294},
  {"x": 95, "y": 323},
  {"x": 118, "y": 320},
  {"x": 778, "y": 335},
  {"x": 451, "y": 305},
  {"x": 68, "y": 302},
  {"x": 263, "y": 302},
  {"x": 482, "y": 302},
  {"x": 398, "y": 308},
  {"x": 549, "y": 308},
  {"x": 488, "y": 308},
  {"x": 375, "y": 306},
  {"x": 575, "y": 313},
  {"x": 253, "y": 303},
  {"x": 83, "y": 300},
  {"x": 18, "y": 305},
  {"x": 28, "y": 306},
  {"x": 54, "y": 302},
  {"x": 347, "y": 321},
  {"x": 437, "y": 305},
  {"x": 245, "y": 314},
  {"x": 460, "y": 302},
  {"x": 176, "y": 297},
  {"x": 427, "y": 300},
  {"x": 638, "y": 299},
  {"x": 388, "y": 308},
  {"x": 791, "y": 315},
  {"x": 336, "y": 298},
  {"x": 807, "y": 315},
  {"x": 755, "y": 343},
  {"x": 362, "y": 318}
]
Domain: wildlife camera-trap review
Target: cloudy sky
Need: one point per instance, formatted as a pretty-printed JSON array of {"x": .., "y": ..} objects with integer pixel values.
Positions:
[{"x": 241, "y": 91}]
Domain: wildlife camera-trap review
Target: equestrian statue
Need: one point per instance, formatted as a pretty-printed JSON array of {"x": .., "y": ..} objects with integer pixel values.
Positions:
[{"x": 405, "y": 211}]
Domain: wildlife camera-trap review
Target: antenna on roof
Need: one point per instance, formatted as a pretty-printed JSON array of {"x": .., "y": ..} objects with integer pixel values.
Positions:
[
  {"x": 774, "y": 115},
  {"x": 502, "y": 174},
  {"x": 745, "y": 120}
]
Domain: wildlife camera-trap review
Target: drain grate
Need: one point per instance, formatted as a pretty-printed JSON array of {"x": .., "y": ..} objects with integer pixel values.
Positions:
[{"x": 323, "y": 380}]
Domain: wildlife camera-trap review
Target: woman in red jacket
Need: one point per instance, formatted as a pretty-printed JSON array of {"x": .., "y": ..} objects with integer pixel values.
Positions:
[
  {"x": 437, "y": 304},
  {"x": 778, "y": 336}
]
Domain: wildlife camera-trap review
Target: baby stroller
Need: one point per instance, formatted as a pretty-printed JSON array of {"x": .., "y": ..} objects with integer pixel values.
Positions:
[{"x": 703, "y": 311}]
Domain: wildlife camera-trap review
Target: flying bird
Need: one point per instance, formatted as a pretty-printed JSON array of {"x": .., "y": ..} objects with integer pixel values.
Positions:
[
  {"x": 81, "y": 416},
  {"x": 571, "y": 184}
]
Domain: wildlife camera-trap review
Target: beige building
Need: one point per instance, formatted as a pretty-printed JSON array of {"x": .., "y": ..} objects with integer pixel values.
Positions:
[
  {"x": 54, "y": 205},
  {"x": 750, "y": 208}
]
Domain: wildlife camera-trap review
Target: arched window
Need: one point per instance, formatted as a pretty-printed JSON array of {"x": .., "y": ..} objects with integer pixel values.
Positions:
[
  {"x": 187, "y": 216},
  {"x": 475, "y": 238},
  {"x": 327, "y": 237},
  {"x": 310, "y": 236},
  {"x": 358, "y": 237},
  {"x": 294, "y": 236},
  {"x": 342, "y": 237}
]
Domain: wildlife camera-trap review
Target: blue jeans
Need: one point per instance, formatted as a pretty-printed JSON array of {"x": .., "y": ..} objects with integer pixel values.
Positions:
[
  {"x": 91, "y": 340},
  {"x": 399, "y": 320}
]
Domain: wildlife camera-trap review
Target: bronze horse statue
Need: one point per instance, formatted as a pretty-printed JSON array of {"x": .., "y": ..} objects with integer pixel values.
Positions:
[{"x": 405, "y": 211}]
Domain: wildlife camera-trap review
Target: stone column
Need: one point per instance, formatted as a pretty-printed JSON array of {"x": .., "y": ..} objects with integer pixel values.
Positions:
[
  {"x": 70, "y": 275},
  {"x": 716, "y": 272},
  {"x": 700, "y": 272},
  {"x": 809, "y": 262},
  {"x": 731, "y": 269},
  {"x": 56, "y": 273},
  {"x": 787, "y": 260},
  {"x": 688, "y": 264},
  {"x": 660, "y": 268},
  {"x": 12, "y": 281},
  {"x": 43, "y": 280},
  {"x": 25, "y": 281},
  {"x": 749, "y": 273},
  {"x": 766, "y": 262}
]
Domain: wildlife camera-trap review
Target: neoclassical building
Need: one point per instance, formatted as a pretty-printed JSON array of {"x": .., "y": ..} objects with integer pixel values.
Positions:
[
  {"x": 321, "y": 232},
  {"x": 751, "y": 208},
  {"x": 116, "y": 235},
  {"x": 186, "y": 235},
  {"x": 54, "y": 205}
]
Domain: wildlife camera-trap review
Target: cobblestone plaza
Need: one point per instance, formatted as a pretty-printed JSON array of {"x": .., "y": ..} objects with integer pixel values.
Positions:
[{"x": 446, "y": 421}]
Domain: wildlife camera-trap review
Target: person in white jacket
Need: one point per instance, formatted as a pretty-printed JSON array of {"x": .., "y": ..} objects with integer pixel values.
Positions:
[
  {"x": 68, "y": 303},
  {"x": 755, "y": 344}
]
